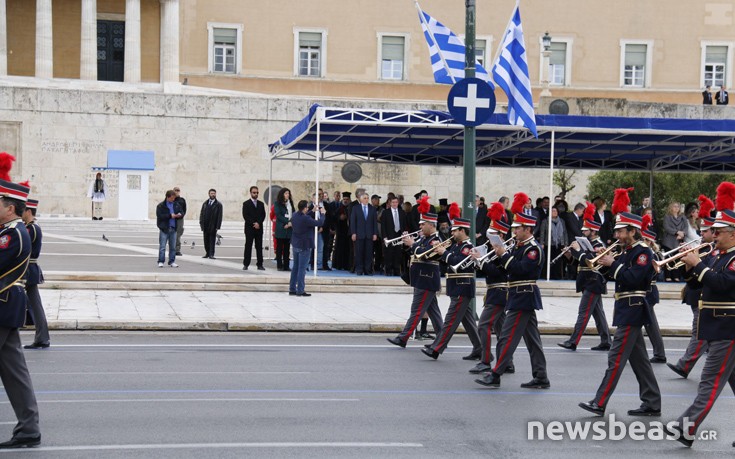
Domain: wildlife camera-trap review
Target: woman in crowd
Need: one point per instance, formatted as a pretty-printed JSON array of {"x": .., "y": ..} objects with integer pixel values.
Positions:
[
  {"x": 558, "y": 242},
  {"x": 675, "y": 228},
  {"x": 284, "y": 211},
  {"x": 691, "y": 212}
]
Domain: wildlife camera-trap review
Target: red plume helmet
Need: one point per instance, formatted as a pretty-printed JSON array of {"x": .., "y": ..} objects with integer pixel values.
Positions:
[
  {"x": 705, "y": 206},
  {"x": 496, "y": 212},
  {"x": 589, "y": 212},
  {"x": 423, "y": 205},
  {"x": 454, "y": 211},
  {"x": 725, "y": 196},
  {"x": 519, "y": 201},
  {"x": 621, "y": 201},
  {"x": 6, "y": 163},
  {"x": 647, "y": 220}
]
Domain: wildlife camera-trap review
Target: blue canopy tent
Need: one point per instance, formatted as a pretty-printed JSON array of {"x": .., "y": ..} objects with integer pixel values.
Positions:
[{"x": 580, "y": 142}]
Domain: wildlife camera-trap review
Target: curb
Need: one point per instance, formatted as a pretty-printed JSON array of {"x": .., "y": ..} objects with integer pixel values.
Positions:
[{"x": 321, "y": 327}]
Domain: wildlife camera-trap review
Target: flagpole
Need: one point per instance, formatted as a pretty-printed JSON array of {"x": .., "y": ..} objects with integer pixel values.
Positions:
[
  {"x": 431, "y": 34},
  {"x": 507, "y": 27}
]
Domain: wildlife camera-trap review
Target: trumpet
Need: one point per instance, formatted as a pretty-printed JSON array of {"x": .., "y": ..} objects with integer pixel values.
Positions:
[
  {"x": 593, "y": 263},
  {"x": 399, "y": 240},
  {"x": 694, "y": 242},
  {"x": 467, "y": 261},
  {"x": 433, "y": 248},
  {"x": 509, "y": 244},
  {"x": 658, "y": 265}
]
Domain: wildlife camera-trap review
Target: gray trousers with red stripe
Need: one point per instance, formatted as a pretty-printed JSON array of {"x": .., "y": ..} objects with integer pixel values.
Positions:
[
  {"x": 591, "y": 306},
  {"x": 459, "y": 311},
  {"x": 491, "y": 321},
  {"x": 695, "y": 349},
  {"x": 654, "y": 334},
  {"x": 718, "y": 368},
  {"x": 424, "y": 301},
  {"x": 521, "y": 324},
  {"x": 628, "y": 345}
]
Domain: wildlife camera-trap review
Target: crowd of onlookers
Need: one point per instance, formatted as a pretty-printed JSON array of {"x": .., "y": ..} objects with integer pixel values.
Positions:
[{"x": 355, "y": 228}]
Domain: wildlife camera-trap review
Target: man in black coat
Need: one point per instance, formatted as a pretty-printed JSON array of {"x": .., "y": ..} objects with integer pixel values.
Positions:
[
  {"x": 210, "y": 221},
  {"x": 394, "y": 223},
  {"x": 179, "y": 222},
  {"x": 722, "y": 97},
  {"x": 482, "y": 221},
  {"x": 364, "y": 231},
  {"x": 606, "y": 220},
  {"x": 706, "y": 97},
  {"x": 253, "y": 211}
]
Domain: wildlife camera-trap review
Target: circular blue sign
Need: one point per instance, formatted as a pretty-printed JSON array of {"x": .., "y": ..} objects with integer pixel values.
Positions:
[{"x": 471, "y": 101}]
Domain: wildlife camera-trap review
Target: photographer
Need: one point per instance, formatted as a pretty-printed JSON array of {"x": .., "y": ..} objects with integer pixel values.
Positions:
[{"x": 302, "y": 241}]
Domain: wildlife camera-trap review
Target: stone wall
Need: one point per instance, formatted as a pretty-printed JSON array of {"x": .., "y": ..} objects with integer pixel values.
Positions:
[{"x": 205, "y": 141}]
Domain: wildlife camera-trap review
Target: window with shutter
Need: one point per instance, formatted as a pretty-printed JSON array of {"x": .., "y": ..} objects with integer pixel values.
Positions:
[{"x": 392, "y": 57}]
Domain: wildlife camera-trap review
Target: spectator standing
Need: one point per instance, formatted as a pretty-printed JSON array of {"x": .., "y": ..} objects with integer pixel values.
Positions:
[
  {"x": 558, "y": 242},
  {"x": 284, "y": 211},
  {"x": 253, "y": 212},
  {"x": 722, "y": 97},
  {"x": 378, "y": 243},
  {"x": 691, "y": 212},
  {"x": 508, "y": 214},
  {"x": 675, "y": 227},
  {"x": 179, "y": 221},
  {"x": 394, "y": 223},
  {"x": 210, "y": 221},
  {"x": 328, "y": 232},
  {"x": 482, "y": 221},
  {"x": 98, "y": 192},
  {"x": 706, "y": 96},
  {"x": 167, "y": 212},
  {"x": 342, "y": 240},
  {"x": 364, "y": 231},
  {"x": 303, "y": 243},
  {"x": 606, "y": 220}
]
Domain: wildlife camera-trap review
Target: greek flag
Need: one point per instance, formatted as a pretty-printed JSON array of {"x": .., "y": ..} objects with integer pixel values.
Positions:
[
  {"x": 510, "y": 72},
  {"x": 447, "y": 52}
]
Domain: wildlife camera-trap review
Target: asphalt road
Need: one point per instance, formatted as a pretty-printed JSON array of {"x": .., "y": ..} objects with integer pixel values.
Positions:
[{"x": 109, "y": 394}]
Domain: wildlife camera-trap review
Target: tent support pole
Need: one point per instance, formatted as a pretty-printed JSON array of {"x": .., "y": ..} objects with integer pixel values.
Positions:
[
  {"x": 650, "y": 182},
  {"x": 551, "y": 194},
  {"x": 271, "y": 238},
  {"x": 316, "y": 192}
]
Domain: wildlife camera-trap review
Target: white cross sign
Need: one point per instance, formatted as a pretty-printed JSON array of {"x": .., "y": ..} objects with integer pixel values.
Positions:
[{"x": 471, "y": 102}]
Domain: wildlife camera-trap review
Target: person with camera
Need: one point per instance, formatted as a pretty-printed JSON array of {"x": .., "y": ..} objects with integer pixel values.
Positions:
[{"x": 302, "y": 243}]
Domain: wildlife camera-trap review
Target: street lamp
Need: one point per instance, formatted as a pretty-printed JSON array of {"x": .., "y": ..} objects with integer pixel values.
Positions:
[{"x": 546, "y": 42}]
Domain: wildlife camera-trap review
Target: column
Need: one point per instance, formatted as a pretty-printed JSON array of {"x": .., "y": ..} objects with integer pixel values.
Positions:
[
  {"x": 88, "y": 55},
  {"x": 132, "y": 41},
  {"x": 170, "y": 43},
  {"x": 44, "y": 40},
  {"x": 3, "y": 40}
]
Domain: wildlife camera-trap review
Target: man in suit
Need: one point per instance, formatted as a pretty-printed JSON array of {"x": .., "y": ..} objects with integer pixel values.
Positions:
[
  {"x": 364, "y": 231},
  {"x": 179, "y": 221},
  {"x": 413, "y": 219},
  {"x": 210, "y": 221},
  {"x": 706, "y": 97},
  {"x": 722, "y": 97},
  {"x": 482, "y": 221},
  {"x": 253, "y": 211},
  {"x": 395, "y": 222},
  {"x": 574, "y": 222}
]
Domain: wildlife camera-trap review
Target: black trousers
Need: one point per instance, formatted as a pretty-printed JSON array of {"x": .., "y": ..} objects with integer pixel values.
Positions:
[
  {"x": 283, "y": 254},
  {"x": 210, "y": 237},
  {"x": 251, "y": 236},
  {"x": 364, "y": 255},
  {"x": 328, "y": 239},
  {"x": 392, "y": 260}
]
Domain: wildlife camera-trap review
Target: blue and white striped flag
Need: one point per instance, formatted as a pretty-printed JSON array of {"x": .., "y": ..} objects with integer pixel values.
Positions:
[
  {"x": 510, "y": 72},
  {"x": 447, "y": 52}
]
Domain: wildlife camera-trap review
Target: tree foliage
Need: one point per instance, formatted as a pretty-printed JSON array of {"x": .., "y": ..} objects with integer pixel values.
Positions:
[{"x": 667, "y": 187}]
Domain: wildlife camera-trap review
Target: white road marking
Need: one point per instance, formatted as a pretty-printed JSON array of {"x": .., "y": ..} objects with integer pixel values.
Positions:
[
  {"x": 8, "y": 423},
  {"x": 155, "y": 400},
  {"x": 271, "y": 445},
  {"x": 76, "y": 373}
]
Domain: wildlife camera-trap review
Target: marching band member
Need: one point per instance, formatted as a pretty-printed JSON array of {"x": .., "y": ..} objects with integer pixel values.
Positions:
[
  {"x": 652, "y": 297},
  {"x": 460, "y": 289},
  {"x": 34, "y": 276},
  {"x": 493, "y": 312},
  {"x": 424, "y": 277},
  {"x": 523, "y": 265},
  {"x": 632, "y": 271},
  {"x": 716, "y": 315},
  {"x": 592, "y": 284},
  {"x": 693, "y": 292}
]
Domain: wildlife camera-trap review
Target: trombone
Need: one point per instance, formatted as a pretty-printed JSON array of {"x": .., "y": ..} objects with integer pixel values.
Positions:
[
  {"x": 399, "y": 240},
  {"x": 433, "y": 248},
  {"x": 594, "y": 263},
  {"x": 708, "y": 247}
]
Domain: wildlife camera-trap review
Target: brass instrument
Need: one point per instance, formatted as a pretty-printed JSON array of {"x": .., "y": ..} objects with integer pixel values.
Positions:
[
  {"x": 561, "y": 254},
  {"x": 399, "y": 240},
  {"x": 433, "y": 248},
  {"x": 509, "y": 244},
  {"x": 468, "y": 261},
  {"x": 594, "y": 263},
  {"x": 659, "y": 265},
  {"x": 691, "y": 243}
]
